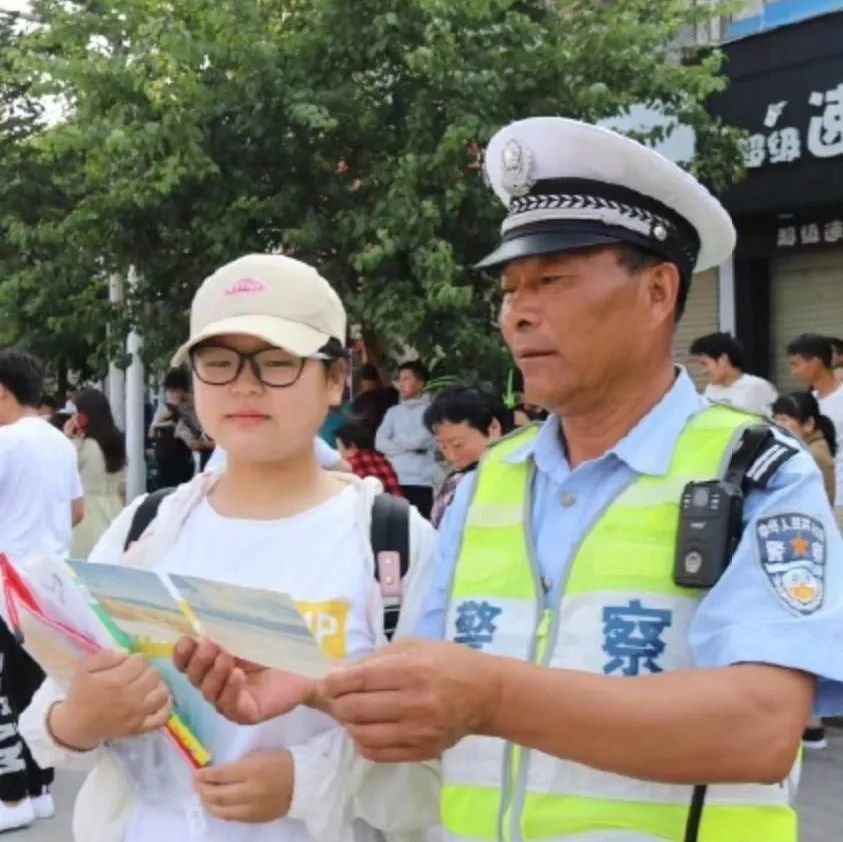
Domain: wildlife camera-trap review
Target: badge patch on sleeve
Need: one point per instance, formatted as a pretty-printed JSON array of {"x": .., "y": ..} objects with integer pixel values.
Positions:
[{"x": 792, "y": 549}]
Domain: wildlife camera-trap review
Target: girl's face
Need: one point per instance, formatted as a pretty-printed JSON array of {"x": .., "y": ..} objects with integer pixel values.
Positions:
[
  {"x": 796, "y": 427},
  {"x": 259, "y": 423}
]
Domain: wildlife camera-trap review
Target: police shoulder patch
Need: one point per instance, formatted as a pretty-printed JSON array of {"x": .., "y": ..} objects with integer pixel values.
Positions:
[{"x": 792, "y": 550}]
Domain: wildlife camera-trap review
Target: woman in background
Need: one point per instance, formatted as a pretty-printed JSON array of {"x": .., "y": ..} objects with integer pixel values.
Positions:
[
  {"x": 799, "y": 412},
  {"x": 101, "y": 450}
]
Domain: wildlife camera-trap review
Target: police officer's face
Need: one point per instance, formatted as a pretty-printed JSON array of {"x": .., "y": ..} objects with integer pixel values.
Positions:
[
  {"x": 579, "y": 323},
  {"x": 259, "y": 423}
]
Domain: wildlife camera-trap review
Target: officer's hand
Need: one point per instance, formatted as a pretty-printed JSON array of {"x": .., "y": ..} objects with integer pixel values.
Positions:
[
  {"x": 241, "y": 691},
  {"x": 414, "y": 699}
]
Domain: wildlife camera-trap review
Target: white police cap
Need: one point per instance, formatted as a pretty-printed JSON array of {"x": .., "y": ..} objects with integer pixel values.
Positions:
[{"x": 568, "y": 184}]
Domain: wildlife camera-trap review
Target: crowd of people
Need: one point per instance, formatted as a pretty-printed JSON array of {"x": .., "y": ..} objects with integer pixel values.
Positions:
[
  {"x": 537, "y": 572},
  {"x": 61, "y": 486},
  {"x": 814, "y": 416}
]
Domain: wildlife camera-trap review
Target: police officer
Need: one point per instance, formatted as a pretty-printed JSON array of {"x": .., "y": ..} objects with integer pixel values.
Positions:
[{"x": 595, "y": 695}]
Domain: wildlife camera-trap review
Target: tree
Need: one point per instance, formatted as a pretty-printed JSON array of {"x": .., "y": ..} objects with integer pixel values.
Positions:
[
  {"x": 45, "y": 294},
  {"x": 349, "y": 135}
]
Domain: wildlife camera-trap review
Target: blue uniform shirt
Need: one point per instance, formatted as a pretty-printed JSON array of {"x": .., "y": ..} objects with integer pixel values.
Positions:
[{"x": 743, "y": 618}]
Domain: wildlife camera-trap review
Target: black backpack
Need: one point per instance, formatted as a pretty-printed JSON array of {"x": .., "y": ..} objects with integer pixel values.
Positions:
[{"x": 390, "y": 537}]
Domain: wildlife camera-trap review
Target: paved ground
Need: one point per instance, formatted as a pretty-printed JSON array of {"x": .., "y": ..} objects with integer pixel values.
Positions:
[
  {"x": 820, "y": 801},
  {"x": 821, "y": 792}
]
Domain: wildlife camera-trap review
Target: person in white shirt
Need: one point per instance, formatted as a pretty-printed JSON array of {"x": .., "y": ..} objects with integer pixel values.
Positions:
[
  {"x": 41, "y": 499},
  {"x": 70, "y": 403},
  {"x": 837, "y": 357},
  {"x": 266, "y": 350},
  {"x": 722, "y": 359},
  {"x": 811, "y": 361}
]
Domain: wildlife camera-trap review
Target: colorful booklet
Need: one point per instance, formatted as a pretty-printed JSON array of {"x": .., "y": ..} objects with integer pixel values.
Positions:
[
  {"x": 65, "y": 611},
  {"x": 59, "y": 624},
  {"x": 264, "y": 627}
]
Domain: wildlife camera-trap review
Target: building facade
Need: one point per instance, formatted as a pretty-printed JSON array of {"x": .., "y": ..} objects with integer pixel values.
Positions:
[{"x": 785, "y": 65}]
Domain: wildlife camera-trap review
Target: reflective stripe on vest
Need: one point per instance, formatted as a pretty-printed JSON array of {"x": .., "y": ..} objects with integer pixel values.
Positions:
[{"x": 620, "y": 614}]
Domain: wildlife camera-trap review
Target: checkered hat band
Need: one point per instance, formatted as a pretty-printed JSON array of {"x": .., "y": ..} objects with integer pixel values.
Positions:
[{"x": 526, "y": 210}]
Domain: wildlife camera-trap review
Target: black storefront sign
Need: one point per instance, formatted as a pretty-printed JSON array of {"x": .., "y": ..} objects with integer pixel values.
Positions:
[
  {"x": 787, "y": 91},
  {"x": 808, "y": 234},
  {"x": 810, "y": 230}
]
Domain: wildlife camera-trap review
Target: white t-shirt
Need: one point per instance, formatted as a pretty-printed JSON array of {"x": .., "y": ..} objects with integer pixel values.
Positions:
[
  {"x": 39, "y": 478},
  {"x": 326, "y": 456},
  {"x": 318, "y": 557},
  {"x": 748, "y": 392},
  {"x": 832, "y": 406}
]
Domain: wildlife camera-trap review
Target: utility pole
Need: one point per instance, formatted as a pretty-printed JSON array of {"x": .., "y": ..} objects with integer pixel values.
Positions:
[
  {"x": 116, "y": 375},
  {"x": 135, "y": 422}
]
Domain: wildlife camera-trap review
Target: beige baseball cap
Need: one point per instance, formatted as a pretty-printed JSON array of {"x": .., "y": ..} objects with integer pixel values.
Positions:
[{"x": 275, "y": 298}]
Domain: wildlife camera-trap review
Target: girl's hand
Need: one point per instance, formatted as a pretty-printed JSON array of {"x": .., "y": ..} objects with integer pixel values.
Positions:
[{"x": 256, "y": 790}]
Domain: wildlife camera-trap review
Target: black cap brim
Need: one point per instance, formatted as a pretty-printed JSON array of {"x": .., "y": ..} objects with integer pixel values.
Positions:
[{"x": 540, "y": 243}]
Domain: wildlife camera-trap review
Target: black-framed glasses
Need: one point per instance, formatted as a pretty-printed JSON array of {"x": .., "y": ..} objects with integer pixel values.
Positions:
[{"x": 218, "y": 365}]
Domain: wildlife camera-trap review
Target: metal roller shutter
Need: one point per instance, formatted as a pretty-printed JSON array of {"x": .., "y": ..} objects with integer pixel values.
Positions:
[
  {"x": 702, "y": 316},
  {"x": 807, "y": 297}
]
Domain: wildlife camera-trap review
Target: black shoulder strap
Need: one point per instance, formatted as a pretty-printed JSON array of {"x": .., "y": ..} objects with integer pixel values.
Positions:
[
  {"x": 391, "y": 537},
  {"x": 758, "y": 456},
  {"x": 145, "y": 514}
]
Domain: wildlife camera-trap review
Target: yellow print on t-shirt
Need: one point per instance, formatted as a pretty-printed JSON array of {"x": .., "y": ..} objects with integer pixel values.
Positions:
[{"x": 328, "y": 623}]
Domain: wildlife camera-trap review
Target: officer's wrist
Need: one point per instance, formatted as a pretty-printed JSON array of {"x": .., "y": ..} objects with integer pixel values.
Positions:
[{"x": 490, "y": 702}]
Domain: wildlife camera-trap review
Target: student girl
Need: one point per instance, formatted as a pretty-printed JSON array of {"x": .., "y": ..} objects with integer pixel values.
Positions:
[{"x": 266, "y": 352}]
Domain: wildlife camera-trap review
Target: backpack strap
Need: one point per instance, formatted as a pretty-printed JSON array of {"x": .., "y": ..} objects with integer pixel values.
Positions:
[
  {"x": 145, "y": 514},
  {"x": 391, "y": 547}
]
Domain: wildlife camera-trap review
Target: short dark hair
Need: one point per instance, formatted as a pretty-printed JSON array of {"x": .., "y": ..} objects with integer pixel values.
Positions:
[
  {"x": 355, "y": 433},
  {"x": 836, "y": 344},
  {"x": 812, "y": 346},
  {"x": 22, "y": 374},
  {"x": 714, "y": 345},
  {"x": 176, "y": 378},
  {"x": 50, "y": 401},
  {"x": 470, "y": 404},
  {"x": 635, "y": 258},
  {"x": 417, "y": 367},
  {"x": 368, "y": 371}
]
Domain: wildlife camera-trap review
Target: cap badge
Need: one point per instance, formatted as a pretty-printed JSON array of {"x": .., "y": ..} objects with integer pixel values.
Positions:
[
  {"x": 245, "y": 286},
  {"x": 516, "y": 169},
  {"x": 660, "y": 232}
]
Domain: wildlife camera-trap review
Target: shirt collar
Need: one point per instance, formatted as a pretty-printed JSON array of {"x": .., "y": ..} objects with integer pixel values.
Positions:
[{"x": 643, "y": 452}]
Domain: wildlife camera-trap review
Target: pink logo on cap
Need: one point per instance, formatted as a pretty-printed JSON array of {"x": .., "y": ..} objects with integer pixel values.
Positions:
[{"x": 246, "y": 286}]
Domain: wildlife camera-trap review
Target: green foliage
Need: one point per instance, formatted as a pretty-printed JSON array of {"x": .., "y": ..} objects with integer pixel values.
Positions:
[{"x": 347, "y": 134}]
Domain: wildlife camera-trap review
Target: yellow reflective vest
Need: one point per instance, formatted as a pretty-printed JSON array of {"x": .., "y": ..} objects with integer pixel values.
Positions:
[{"x": 619, "y": 592}]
